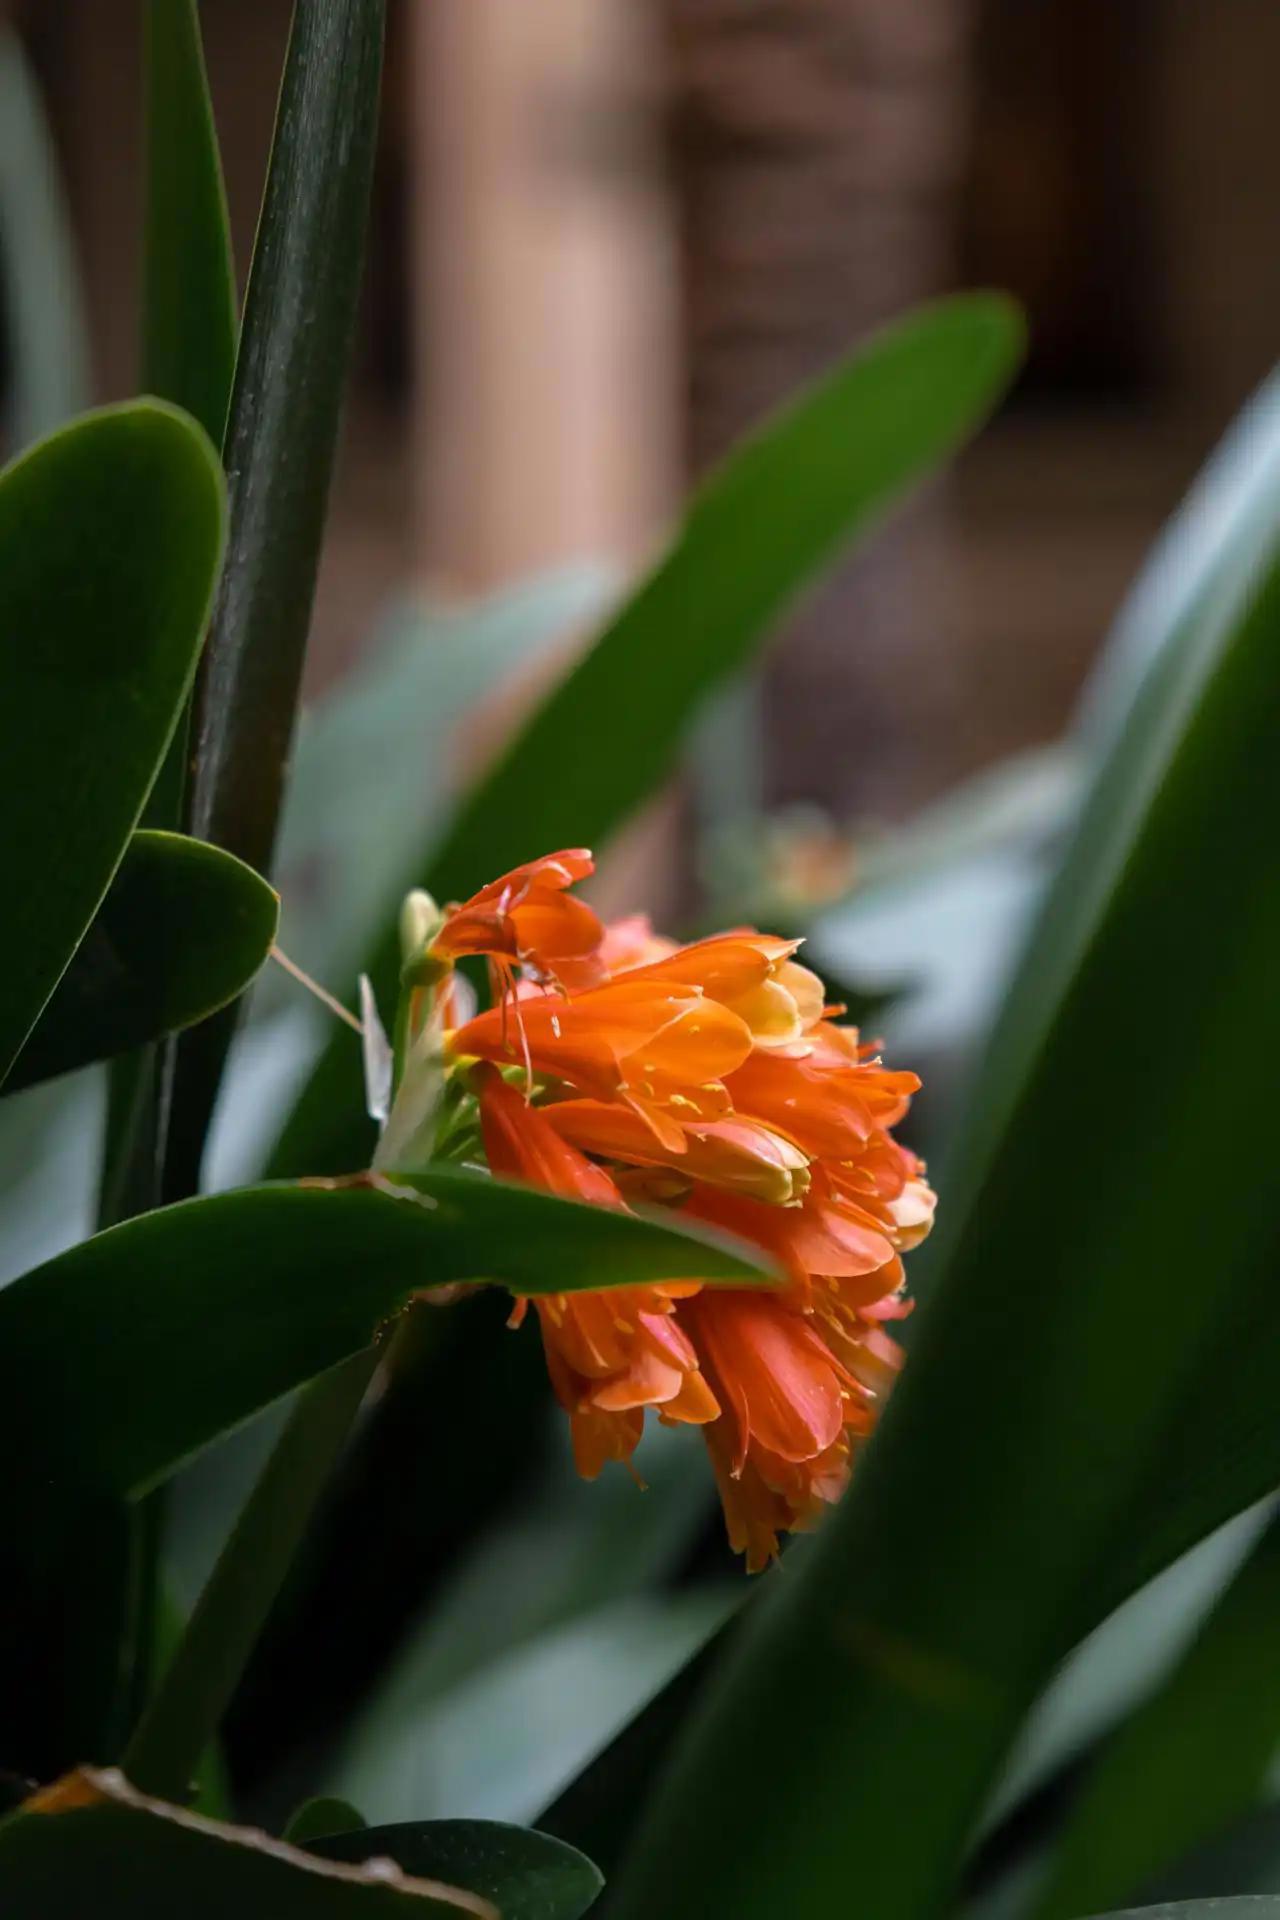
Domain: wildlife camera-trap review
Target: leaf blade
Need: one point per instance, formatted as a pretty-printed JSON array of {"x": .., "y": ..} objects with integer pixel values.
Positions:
[
  {"x": 110, "y": 538},
  {"x": 130, "y": 1374},
  {"x": 805, "y": 484},
  {"x": 189, "y": 307},
  {"x": 181, "y": 932},
  {"x": 944, "y": 1591},
  {"x": 526, "y": 1874}
]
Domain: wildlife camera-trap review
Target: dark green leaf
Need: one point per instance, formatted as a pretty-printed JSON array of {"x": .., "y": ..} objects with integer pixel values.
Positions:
[
  {"x": 327, "y": 1816},
  {"x": 570, "y": 1550},
  {"x": 784, "y": 504},
  {"x": 281, "y": 435},
  {"x": 509, "y": 1736},
  {"x": 133, "y": 1350},
  {"x": 110, "y": 535},
  {"x": 124, "y": 1857},
  {"x": 189, "y": 291},
  {"x": 1190, "y": 1760},
  {"x": 1086, "y": 1271},
  {"x": 183, "y": 929},
  {"x": 527, "y": 1875},
  {"x": 47, "y": 371},
  {"x": 598, "y": 1809}
]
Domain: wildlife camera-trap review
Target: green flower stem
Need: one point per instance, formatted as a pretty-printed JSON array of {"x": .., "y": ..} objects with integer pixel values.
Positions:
[{"x": 196, "y": 1688}]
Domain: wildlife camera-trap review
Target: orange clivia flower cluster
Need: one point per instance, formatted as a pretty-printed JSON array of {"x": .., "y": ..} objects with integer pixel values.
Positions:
[{"x": 710, "y": 1077}]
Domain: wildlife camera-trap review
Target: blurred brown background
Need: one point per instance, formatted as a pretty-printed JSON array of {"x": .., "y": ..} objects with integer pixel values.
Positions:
[{"x": 608, "y": 233}]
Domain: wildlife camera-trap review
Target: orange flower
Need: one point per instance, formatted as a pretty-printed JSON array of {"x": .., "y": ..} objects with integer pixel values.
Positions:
[
  {"x": 644, "y": 1038},
  {"x": 751, "y": 973},
  {"x": 742, "y": 1155},
  {"x": 527, "y": 919},
  {"x": 610, "y": 1354},
  {"x": 713, "y": 1079}
]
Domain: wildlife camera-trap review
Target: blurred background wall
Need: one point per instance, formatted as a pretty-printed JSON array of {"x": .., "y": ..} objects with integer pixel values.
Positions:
[{"x": 608, "y": 233}]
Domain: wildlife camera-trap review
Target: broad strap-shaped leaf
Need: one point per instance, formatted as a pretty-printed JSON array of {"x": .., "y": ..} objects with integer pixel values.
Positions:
[
  {"x": 527, "y": 1875},
  {"x": 183, "y": 929},
  {"x": 133, "y": 1350},
  {"x": 598, "y": 1810},
  {"x": 93, "y": 1846},
  {"x": 295, "y": 344},
  {"x": 1191, "y": 1759},
  {"x": 110, "y": 537},
  {"x": 189, "y": 317},
  {"x": 1086, "y": 1271},
  {"x": 565, "y": 1554},
  {"x": 792, "y": 497}
]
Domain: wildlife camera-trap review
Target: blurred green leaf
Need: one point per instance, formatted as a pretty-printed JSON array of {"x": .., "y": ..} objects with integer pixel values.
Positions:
[
  {"x": 508, "y": 1737},
  {"x": 527, "y": 1875},
  {"x": 189, "y": 290},
  {"x": 1243, "y": 1859},
  {"x": 124, "y": 1857},
  {"x": 295, "y": 344},
  {"x": 597, "y": 1809},
  {"x": 1193, "y": 1757},
  {"x": 1229, "y": 515},
  {"x": 1124, "y": 1658},
  {"x": 1247, "y": 1908},
  {"x": 783, "y": 505},
  {"x": 328, "y": 1816},
  {"x": 566, "y": 1551},
  {"x": 43, "y": 303},
  {"x": 1086, "y": 1271},
  {"x": 379, "y": 756},
  {"x": 110, "y": 535},
  {"x": 183, "y": 929},
  {"x": 134, "y": 1349}
]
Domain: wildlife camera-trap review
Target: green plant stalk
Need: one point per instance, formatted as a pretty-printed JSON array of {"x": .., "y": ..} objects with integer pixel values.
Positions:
[
  {"x": 194, "y": 1691},
  {"x": 282, "y": 433}
]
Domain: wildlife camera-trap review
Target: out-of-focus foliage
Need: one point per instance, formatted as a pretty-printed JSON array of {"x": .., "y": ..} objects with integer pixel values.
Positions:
[
  {"x": 992, "y": 1687},
  {"x": 39, "y": 281}
]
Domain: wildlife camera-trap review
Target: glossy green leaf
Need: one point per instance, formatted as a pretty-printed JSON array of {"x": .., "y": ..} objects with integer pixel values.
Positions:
[
  {"x": 133, "y": 1350},
  {"x": 110, "y": 536},
  {"x": 183, "y": 929},
  {"x": 125, "y": 1857},
  {"x": 189, "y": 288},
  {"x": 1071, "y": 1332},
  {"x": 527, "y": 1875},
  {"x": 295, "y": 344},
  {"x": 784, "y": 504},
  {"x": 1200, "y": 1745},
  {"x": 325, "y": 1815}
]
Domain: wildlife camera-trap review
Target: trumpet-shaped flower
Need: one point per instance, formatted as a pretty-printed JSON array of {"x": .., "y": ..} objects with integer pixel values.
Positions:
[{"x": 618, "y": 1067}]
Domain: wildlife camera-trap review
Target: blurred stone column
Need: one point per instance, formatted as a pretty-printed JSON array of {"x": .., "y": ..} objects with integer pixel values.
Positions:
[
  {"x": 819, "y": 148},
  {"x": 546, "y": 312}
]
